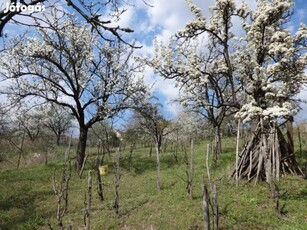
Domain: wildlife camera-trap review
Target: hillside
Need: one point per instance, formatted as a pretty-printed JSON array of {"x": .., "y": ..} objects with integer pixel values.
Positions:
[{"x": 27, "y": 200}]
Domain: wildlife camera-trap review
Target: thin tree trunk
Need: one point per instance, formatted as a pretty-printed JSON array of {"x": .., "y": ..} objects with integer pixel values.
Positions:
[
  {"x": 46, "y": 156},
  {"x": 150, "y": 150},
  {"x": 81, "y": 148},
  {"x": 237, "y": 154},
  {"x": 276, "y": 200},
  {"x": 191, "y": 174},
  {"x": 218, "y": 142},
  {"x": 206, "y": 208},
  {"x": 99, "y": 185},
  {"x": 277, "y": 158},
  {"x": 132, "y": 147},
  {"x": 299, "y": 140},
  {"x": 88, "y": 202},
  {"x": 290, "y": 135},
  {"x": 165, "y": 146},
  {"x": 158, "y": 166},
  {"x": 67, "y": 151},
  {"x": 58, "y": 139},
  {"x": 176, "y": 149},
  {"x": 215, "y": 208},
  {"x": 207, "y": 163},
  {"x": 21, "y": 149},
  {"x": 83, "y": 164},
  {"x": 61, "y": 193},
  {"x": 117, "y": 181}
]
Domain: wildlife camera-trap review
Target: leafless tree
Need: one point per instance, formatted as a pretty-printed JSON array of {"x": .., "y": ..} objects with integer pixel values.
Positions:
[
  {"x": 58, "y": 120},
  {"x": 152, "y": 122}
]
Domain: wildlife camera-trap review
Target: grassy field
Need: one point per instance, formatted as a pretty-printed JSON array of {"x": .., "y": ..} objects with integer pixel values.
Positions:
[{"x": 27, "y": 200}]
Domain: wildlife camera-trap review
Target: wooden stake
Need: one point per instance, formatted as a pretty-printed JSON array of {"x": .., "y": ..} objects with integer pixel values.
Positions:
[
  {"x": 158, "y": 166},
  {"x": 215, "y": 208},
  {"x": 207, "y": 163},
  {"x": 21, "y": 149},
  {"x": 206, "y": 208},
  {"x": 83, "y": 165},
  {"x": 117, "y": 181},
  {"x": 191, "y": 174},
  {"x": 299, "y": 140},
  {"x": 237, "y": 154},
  {"x": 88, "y": 202},
  {"x": 61, "y": 193},
  {"x": 99, "y": 185}
]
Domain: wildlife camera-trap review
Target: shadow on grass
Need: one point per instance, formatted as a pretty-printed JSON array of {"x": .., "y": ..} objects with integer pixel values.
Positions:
[
  {"x": 135, "y": 207},
  {"x": 141, "y": 164},
  {"x": 302, "y": 195},
  {"x": 301, "y": 154},
  {"x": 226, "y": 209},
  {"x": 283, "y": 210},
  {"x": 19, "y": 209}
]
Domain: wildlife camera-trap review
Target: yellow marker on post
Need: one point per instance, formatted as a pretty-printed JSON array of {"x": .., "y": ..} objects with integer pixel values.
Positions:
[{"x": 103, "y": 170}]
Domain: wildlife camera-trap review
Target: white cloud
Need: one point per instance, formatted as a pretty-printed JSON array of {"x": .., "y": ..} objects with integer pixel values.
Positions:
[{"x": 167, "y": 88}]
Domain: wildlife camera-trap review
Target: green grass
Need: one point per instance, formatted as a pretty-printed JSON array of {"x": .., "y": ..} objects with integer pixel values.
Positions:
[{"x": 27, "y": 200}]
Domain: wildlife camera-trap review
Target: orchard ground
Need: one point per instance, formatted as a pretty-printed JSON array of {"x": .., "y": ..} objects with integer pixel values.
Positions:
[{"x": 27, "y": 200}]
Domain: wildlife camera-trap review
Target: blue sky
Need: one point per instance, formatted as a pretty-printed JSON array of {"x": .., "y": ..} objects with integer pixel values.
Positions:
[{"x": 161, "y": 21}]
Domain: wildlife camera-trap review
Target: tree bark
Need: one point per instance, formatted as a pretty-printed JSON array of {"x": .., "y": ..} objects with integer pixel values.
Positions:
[
  {"x": 158, "y": 165},
  {"x": 150, "y": 150},
  {"x": 99, "y": 185},
  {"x": 218, "y": 142},
  {"x": 117, "y": 181},
  {"x": 88, "y": 202},
  {"x": 290, "y": 135},
  {"x": 21, "y": 150},
  {"x": 58, "y": 139},
  {"x": 206, "y": 208},
  {"x": 215, "y": 208},
  {"x": 237, "y": 153},
  {"x": 191, "y": 174},
  {"x": 207, "y": 163},
  {"x": 81, "y": 147}
]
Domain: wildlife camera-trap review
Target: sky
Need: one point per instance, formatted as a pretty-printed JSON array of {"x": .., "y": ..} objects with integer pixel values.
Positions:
[{"x": 161, "y": 19}]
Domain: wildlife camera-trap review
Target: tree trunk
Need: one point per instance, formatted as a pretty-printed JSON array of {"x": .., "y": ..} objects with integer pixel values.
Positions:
[
  {"x": 88, "y": 202},
  {"x": 217, "y": 142},
  {"x": 207, "y": 163},
  {"x": 58, "y": 139},
  {"x": 21, "y": 150},
  {"x": 237, "y": 153},
  {"x": 99, "y": 184},
  {"x": 81, "y": 147},
  {"x": 117, "y": 181},
  {"x": 159, "y": 143},
  {"x": 290, "y": 134},
  {"x": 150, "y": 150},
  {"x": 215, "y": 208},
  {"x": 158, "y": 166},
  {"x": 299, "y": 140},
  {"x": 206, "y": 208},
  {"x": 191, "y": 174}
]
